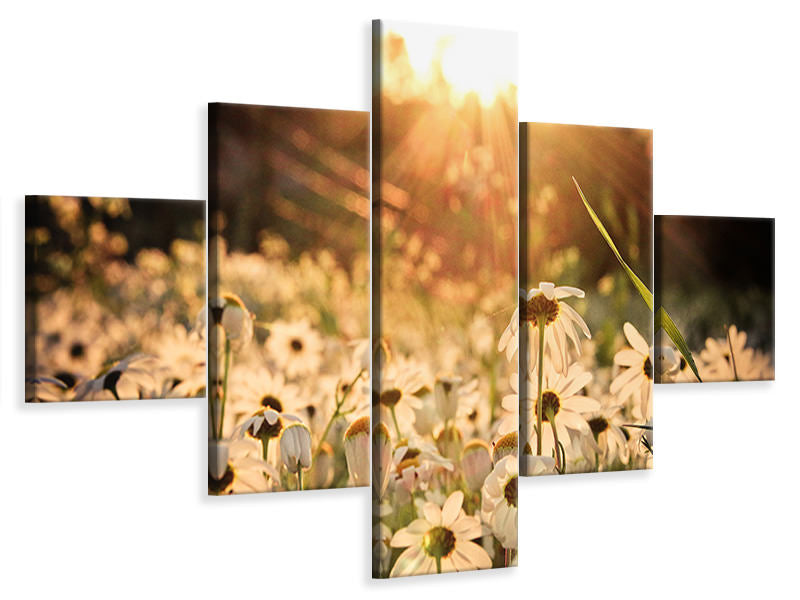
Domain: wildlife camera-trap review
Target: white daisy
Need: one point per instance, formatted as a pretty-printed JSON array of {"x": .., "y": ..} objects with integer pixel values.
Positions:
[
  {"x": 399, "y": 382},
  {"x": 295, "y": 443},
  {"x": 295, "y": 347},
  {"x": 236, "y": 320},
  {"x": 130, "y": 378},
  {"x": 499, "y": 501},
  {"x": 608, "y": 440},
  {"x": 730, "y": 359},
  {"x": 636, "y": 381},
  {"x": 563, "y": 407},
  {"x": 439, "y": 542},
  {"x": 234, "y": 467},
  {"x": 543, "y": 307},
  {"x": 356, "y": 450}
]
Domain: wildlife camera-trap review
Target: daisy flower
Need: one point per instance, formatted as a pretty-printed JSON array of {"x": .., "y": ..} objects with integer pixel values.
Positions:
[
  {"x": 230, "y": 312},
  {"x": 543, "y": 307},
  {"x": 295, "y": 347},
  {"x": 295, "y": 444},
  {"x": 730, "y": 359},
  {"x": 563, "y": 406},
  {"x": 416, "y": 462},
  {"x": 356, "y": 450},
  {"x": 499, "y": 501},
  {"x": 253, "y": 388},
  {"x": 129, "y": 378},
  {"x": 397, "y": 399},
  {"x": 235, "y": 468},
  {"x": 439, "y": 542},
  {"x": 610, "y": 441},
  {"x": 44, "y": 389},
  {"x": 636, "y": 381},
  {"x": 476, "y": 463}
]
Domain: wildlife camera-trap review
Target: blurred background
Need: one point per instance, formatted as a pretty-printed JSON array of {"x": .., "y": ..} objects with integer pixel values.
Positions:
[
  {"x": 448, "y": 162},
  {"x": 109, "y": 277},
  {"x": 613, "y": 166},
  {"x": 289, "y": 213},
  {"x": 713, "y": 272}
]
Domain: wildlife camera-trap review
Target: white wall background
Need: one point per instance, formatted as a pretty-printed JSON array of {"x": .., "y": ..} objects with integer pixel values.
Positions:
[{"x": 108, "y": 500}]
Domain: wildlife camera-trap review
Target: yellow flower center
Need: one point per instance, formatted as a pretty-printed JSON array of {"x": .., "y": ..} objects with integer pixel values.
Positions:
[
  {"x": 541, "y": 307},
  {"x": 439, "y": 542}
]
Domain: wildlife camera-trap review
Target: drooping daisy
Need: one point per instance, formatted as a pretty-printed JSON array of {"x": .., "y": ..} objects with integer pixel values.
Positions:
[
  {"x": 499, "y": 501},
  {"x": 382, "y": 456},
  {"x": 440, "y": 541},
  {"x": 356, "y": 450},
  {"x": 295, "y": 347},
  {"x": 636, "y": 381},
  {"x": 543, "y": 307},
  {"x": 265, "y": 425},
  {"x": 610, "y": 442},
  {"x": 236, "y": 320},
  {"x": 130, "y": 378},
  {"x": 295, "y": 443},
  {"x": 563, "y": 408},
  {"x": 476, "y": 463}
]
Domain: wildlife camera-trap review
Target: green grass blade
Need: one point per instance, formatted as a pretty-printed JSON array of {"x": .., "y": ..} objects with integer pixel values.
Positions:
[
  {"x": 665, "y": 322},
  {"x": 647, "y": 295}
]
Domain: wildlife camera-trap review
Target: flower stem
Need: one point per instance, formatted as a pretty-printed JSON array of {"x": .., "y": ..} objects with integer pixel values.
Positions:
[
  {"x": 438, "y": 564},
  {"x": 336, "y": 413},
  {"x": 228, "y": 353},
  {"x": 299, "y": 477},
  {"x": 540, "y": 323},
  {"x": 396, "y": 426},
  {"x": 552, "y": 418},
  {"x": 264, "y": 447}
]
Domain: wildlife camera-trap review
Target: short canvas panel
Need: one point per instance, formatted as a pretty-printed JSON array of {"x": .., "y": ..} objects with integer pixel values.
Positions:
[
  {"x": 444, "y": 251},
  {"x": 289, "y": 299},
  {"x": 113, "y": 288},
  {"x": 715, "y": 277},
  {"x": 586, "y": 320}
]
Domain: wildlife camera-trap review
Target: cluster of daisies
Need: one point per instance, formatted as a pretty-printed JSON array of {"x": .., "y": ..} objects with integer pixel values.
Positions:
[
  {"x": 578, "y": 416},
  {"x": 289, "y": 365},
  {"x": 130, "y": 336},
  {"x": 444, "y": 474},
  {"x": 721, "y": 359}
]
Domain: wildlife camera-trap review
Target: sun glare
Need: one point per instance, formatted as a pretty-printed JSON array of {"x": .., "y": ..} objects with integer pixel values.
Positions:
[{"x": 469, "y": 61}]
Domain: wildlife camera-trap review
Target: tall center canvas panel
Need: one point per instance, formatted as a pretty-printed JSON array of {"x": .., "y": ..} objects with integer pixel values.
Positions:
[
  {"x": 288, "y": 316},
  {"x": 444, "y": 254}
]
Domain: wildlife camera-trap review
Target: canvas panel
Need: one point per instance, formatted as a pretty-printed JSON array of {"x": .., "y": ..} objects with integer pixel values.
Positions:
[
  {"x": 444, "y": 251},
  {"x": 715, "y": 276},
  {"x": 586, "y": 329},
  {"x": 289, "y": 299},
  {"x": 113, "y": 288}
]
